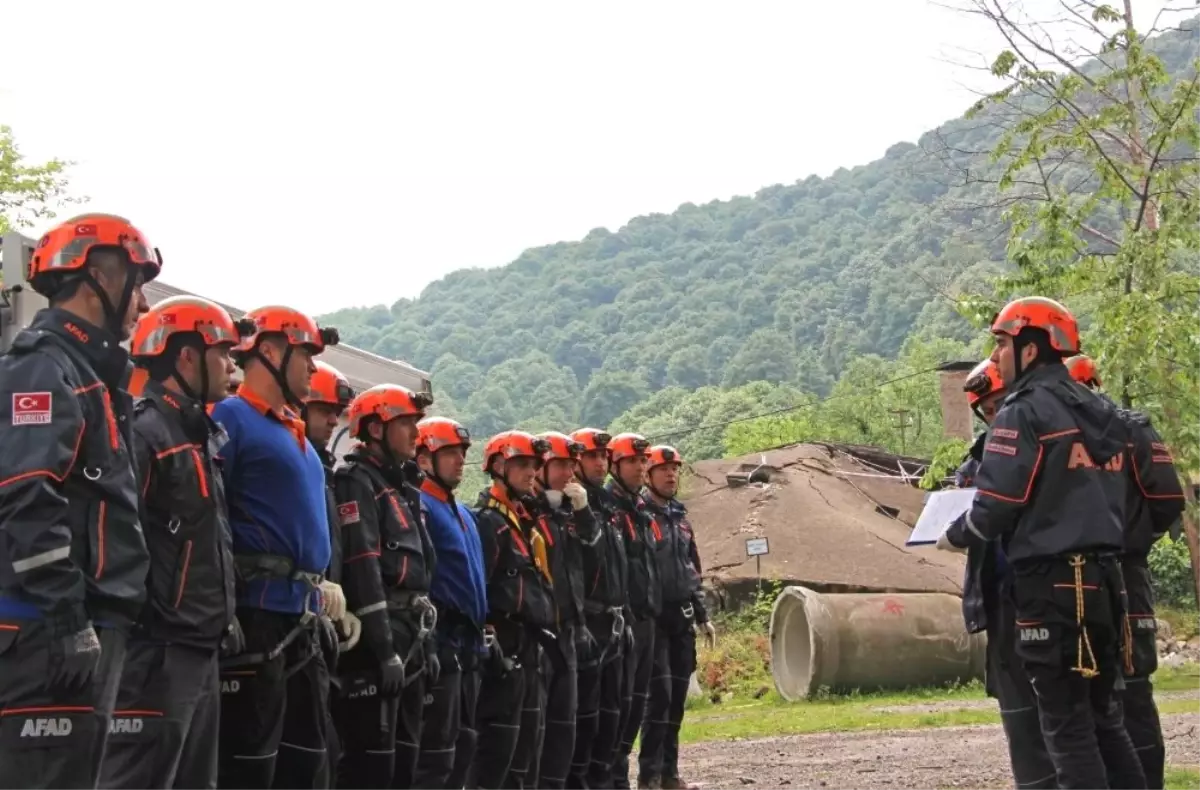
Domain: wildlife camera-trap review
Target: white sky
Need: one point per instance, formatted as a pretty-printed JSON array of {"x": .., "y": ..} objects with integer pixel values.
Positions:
[{"x": 325, "y": 155}]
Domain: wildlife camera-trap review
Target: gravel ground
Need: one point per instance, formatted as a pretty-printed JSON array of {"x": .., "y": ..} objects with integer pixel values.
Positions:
[{"x": 934, "y": 757}]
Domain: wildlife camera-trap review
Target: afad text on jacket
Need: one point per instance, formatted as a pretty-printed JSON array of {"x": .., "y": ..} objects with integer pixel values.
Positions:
[{"x": 1056, "y": 437}]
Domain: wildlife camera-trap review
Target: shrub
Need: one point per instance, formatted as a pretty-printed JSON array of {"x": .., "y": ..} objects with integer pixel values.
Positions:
[{"x": 1171, "y": 568}]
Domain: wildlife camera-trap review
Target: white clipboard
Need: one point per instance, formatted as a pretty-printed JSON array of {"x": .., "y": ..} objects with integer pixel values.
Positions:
[{"x": 940, "y": 511}]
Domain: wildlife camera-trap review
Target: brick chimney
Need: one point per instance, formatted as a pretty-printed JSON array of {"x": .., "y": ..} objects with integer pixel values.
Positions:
[{"x": 957, "y": 418}]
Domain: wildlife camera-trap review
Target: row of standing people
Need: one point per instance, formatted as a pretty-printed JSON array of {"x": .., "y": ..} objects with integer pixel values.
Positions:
[
  {"x": 192, "y": 595},
  {"x": 1072, "y": 493}
]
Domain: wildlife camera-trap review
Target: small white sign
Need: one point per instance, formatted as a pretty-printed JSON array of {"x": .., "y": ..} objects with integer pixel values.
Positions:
[{"x": 756, "y": 547}]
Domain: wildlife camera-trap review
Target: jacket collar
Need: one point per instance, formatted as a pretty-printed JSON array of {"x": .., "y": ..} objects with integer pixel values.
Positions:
[{"x": 98, "y": 346}]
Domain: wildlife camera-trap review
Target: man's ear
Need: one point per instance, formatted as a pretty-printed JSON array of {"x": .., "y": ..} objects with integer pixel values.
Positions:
[{"x": 375, "y": 430}]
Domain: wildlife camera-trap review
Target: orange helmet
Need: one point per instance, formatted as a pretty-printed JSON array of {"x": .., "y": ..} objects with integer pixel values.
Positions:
[
  {"x": 626, "y": 445},
  {"x": 328, "y": 385},
  {"x": 1083, "y": 369},
  {"x": 514, "y": 444},
  {"x": 387, "y": 402},
  {"x": 984, "y": 380},
  {"x": 661, "y": 454},
  {"x": 1040, "y": 313},
  {"x": 438, "y": 433},
  {"x": 65, "y": 248},
  {"x": 592, "y": 439},
  {"x": 185, "y": 315},
  {"x": 561, "y": 446},
  {"x": 299, "y": 329}
]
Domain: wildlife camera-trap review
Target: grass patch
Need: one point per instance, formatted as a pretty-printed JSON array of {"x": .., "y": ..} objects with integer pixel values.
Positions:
[
  {"x": 740, "y": 700},
  {"x": 1182, "y": 778},
  {"x": 1184, "y": 621}
]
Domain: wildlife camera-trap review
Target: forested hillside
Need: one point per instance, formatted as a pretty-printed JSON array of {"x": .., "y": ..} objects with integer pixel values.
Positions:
[{"x": 821, "y": 287}]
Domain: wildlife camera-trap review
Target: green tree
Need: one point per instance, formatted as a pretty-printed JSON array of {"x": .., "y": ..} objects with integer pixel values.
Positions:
[
  {"x": 1117, "y": 239},
  {"x": 28, "y": 192}
]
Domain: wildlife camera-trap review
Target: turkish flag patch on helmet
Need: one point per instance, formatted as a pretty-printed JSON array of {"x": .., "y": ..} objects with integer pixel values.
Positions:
[
  {"x": 348, "y": 513},
  {"x": 31, "y": 408}
]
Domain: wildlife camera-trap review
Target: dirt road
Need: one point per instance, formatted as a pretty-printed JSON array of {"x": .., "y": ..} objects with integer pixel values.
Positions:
[{"x": 947, "y": 757}]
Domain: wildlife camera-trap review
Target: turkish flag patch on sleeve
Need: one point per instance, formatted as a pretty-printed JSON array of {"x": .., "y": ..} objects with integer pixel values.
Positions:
[
  {"x": 348, "y": 513},
  {"x": 31, "y": 408}
]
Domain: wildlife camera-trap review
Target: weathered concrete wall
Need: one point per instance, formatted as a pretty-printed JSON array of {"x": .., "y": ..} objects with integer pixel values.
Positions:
[{"x": 957, "y": 418}]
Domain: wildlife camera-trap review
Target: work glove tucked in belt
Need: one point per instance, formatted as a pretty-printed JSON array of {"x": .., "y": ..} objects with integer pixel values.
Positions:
[
  {"x": 391, "y": 676},
  {"x": 74, "y": 657},
  {"x": 234, "y": 641}
]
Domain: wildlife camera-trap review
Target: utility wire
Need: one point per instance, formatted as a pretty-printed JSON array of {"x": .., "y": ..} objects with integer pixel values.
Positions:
[{"x": 774, "y": 412}]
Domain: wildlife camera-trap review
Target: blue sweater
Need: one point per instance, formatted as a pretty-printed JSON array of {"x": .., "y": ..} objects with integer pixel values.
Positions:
[
  {"x": 459, "y": 581},
  {"x": 276, "y": 496}
]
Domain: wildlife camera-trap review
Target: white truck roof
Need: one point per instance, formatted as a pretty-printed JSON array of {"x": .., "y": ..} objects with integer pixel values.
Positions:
[{"x": 18, "y": 304}]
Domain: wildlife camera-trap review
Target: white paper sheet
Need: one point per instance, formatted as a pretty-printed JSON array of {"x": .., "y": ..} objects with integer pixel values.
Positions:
[{"x": 941, "y": 508}]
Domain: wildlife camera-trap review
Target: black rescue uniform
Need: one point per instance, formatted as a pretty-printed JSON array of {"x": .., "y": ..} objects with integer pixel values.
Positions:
[
  {"x": 1154, "y": 507},
  {"x": 601, "y": 668},
  {"x": 520, "y": 607},
  {"x": 388, "y": 563},
  {"x": 73, "y": 551},
  {"x": 987, "y": 606},
  {"x": 674, "y": 642},
  {"x": 165, "y": 727},
  {"x": 1051, "y": 488},
  {"x": 328, "y": 634},
  {"x": 566, "y": 533},
  {"x": 642, "y": 537}
]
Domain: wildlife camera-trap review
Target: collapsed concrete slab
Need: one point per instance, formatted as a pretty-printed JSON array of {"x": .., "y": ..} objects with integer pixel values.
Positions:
[{"x": 835, "y": 516}]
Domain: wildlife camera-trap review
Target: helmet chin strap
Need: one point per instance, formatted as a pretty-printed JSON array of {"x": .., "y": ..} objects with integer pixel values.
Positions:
[
  {"x": 114, "y": 318},
  {"x": 279, "y": 374},
  {"x": 185, "y": 388}
]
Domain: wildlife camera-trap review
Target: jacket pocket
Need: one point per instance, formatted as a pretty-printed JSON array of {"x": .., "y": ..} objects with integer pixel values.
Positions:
[{"x": 183, "y": 565}]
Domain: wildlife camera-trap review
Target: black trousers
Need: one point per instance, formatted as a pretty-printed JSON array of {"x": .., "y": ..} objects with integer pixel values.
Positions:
[
  {"x": 378, "y": 733},
  {"x": 587, "y": 714},
  {"x": 1140, "y": 660},
  {"x": 674, "y": 663},
  {"x": 639, "y": 665},
  {"x": 468, "y": 733},
  {"x": 441, "y": 722},
  {"x": 1006, "y": 680},
  {"x": 273, "y": 712},
  {"x": 498, "y": 713},
  {"x": 610, "y": 702},
  {"x": 165, "y": 726},
  {"x": 562, "y": 703},
  {"x": 50, "y": 737},
  {"x": 523, "y": 771},
  {"x": 1069, "y": 620}
]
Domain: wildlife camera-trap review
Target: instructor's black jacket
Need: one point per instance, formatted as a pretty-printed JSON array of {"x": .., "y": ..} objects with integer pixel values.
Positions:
[
  {"x": 1052, "y": 480},
  {"x": 1155, "y": 502},
  {"x": 191, "y": 581},
  {"x": 72, "y": 548}
]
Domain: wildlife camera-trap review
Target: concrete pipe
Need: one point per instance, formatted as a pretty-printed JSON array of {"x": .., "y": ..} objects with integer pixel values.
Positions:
[{"x": 869, "y": 641}]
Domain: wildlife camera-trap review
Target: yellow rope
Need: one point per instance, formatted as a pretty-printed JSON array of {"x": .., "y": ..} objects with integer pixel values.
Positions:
[{"x": 1077, "y": 562}]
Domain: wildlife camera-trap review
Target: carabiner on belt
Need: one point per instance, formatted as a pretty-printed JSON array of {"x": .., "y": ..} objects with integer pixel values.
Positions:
[
  {"x": 618, "y": 626},
  {"x": 688, "y": 610},
  {"x": 429, "y": 617}
]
